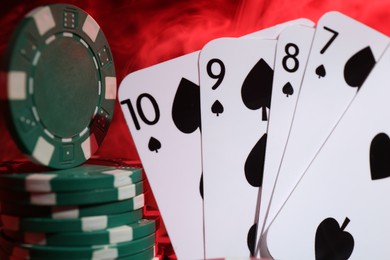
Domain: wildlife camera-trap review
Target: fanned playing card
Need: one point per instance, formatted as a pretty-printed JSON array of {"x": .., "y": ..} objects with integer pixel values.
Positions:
[
  {"x": 236, "y": 78},
  {"x": 343, "y": 54},
  {"x": 292, "y": 52},
  {"x": 339, "y": 208},
  {"x": 162, "y": 109}
]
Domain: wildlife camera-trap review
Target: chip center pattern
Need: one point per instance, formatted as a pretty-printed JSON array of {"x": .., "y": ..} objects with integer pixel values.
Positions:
[{"x": 66, "y": 87}]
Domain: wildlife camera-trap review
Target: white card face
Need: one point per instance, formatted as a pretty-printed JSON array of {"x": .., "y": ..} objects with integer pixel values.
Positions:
[
  {"x": 292, "y": 52},
  {"x": 161, "y": 108},
  {"x": 236, "y": 79},
  {"x": 343, "y": 53},
  {"x": 339, "y": 208}
]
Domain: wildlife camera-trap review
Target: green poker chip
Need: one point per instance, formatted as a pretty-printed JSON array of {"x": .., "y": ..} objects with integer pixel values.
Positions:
[
  {"x": 49, "y": 225},
  {"x": 84, "y": 177},
  {"x": 61, "y": 85},
  {"x": 125, "y": 250},
  {"x": 71, "y": 212},
  {"x": 115, "y": 235},
  {"x": 72, "y": 198},
  {"x": 146, "y": 254}
]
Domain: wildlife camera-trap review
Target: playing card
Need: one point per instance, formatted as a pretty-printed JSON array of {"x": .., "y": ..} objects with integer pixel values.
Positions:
[
  {"x": 161, "y": 108},
  {"x": 338, "y": 210},
  {"x": 236, "y": 78},
  {"x": 292, "y": 52},
  {"x": 342, "y": 55}
]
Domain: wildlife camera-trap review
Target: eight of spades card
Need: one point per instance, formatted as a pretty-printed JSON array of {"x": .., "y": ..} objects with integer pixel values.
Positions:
[
  {"x": 162, "y": 109},
  {"x": 343, "y": 54},
  {"x": 339, "y": 208},
  {"x": 292, "y": 52},
  {"x": 236, "y": 78}
]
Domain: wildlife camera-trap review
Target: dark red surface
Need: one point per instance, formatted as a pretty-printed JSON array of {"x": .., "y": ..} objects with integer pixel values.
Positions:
[{"x": 145, "y": 32}]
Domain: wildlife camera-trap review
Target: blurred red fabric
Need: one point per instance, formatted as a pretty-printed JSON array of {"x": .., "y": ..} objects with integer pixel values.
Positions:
[{"x": 145, "y": 32}]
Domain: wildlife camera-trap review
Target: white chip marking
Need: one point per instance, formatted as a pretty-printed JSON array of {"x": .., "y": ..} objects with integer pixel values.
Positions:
[
  {"x": 120, "y": 234},
  {"x": 48, "y": 133},
  {"x": 39, "y": 182},
  {"x": 43, "y": 199},
  {"x": 94, "y": 60},
  {"x": 99, "y": 87},
  {"x": 110, "y": 88},
  {"x": 50, "y": 39},
  {"x": 91, "y": 28},
  {"x": 84, "y": 43},
  {"x": 95, "y": 111},
  {"x": 85, "y": 130},
  {"x": 126, "y": 192},
  {"x": 31, "y": 85},
  {"x": 36, "y": 58},
  {"x": 139, "y": 201},
  {"x": 65, "y": 212},
  {"x": 43, "y": 19},
  {"x": 105, "y": 253},
  {"x": 35, "y": 113},
  {"x": 66, "y": 140},
  {"x": 17, "y": 85},
  {"x": 94, "y": 223},
  {"x": 86, "y": 147},
  {"x": 43, "y": 151},
  {"x": 67, "y": 34},
  {"x": 121, "y": 177}
]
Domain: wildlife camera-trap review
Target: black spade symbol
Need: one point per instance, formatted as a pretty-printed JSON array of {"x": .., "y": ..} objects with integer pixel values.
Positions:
[
  {"x": 251, "y": 239},
  {"x": 154, "y": 144},
  {"x": 288, "y": 89},
  {"x": 257, "y": 87},
  {"x": 332, "y": 242},
  {"x": 358, "y": 67},
  {"x": 217, "y": 108},
  {"x": 379, "y": 157},
  {"x": 186, "y": 107},
  {"x": 254, "y": 164},
  {"x": 320, "y": 71},
  {"x": 201, "y": 186}
]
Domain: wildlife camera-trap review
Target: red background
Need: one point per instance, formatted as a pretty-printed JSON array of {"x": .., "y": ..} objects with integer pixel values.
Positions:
[
  {"x": 142, "y": 33},
  {"x": 145, "y": 32}
]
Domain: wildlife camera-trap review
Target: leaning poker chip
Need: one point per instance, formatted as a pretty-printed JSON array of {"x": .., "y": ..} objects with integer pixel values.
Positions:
[
  {"x": 125, "y": 233},
  {"x": 84, "y": 177},
  {"x": 49, "y": 225},
  {"x": 72, "y": 198},
  {"x": 113, "y": 251},
  {"x": 72, "y": 212},
  {"x": 61, "y": 85}
]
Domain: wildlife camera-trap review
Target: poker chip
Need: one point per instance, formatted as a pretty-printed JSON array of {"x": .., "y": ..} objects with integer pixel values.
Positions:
[
  {"x": 48, "y": 225},
  {"x": 146, "y": 254},
  {"x": 85, "y": 177},
  {"x": 111, "y": 251},
  {"x": 71, "y": 212},
  {"x": 115, "y": 235},
  {"x": 72, "y": 198},
  {"x": 61, "y": 85}
]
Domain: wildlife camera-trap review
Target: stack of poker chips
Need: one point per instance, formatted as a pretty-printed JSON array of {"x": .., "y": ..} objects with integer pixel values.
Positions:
[{"x": 89, "y": 212}]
